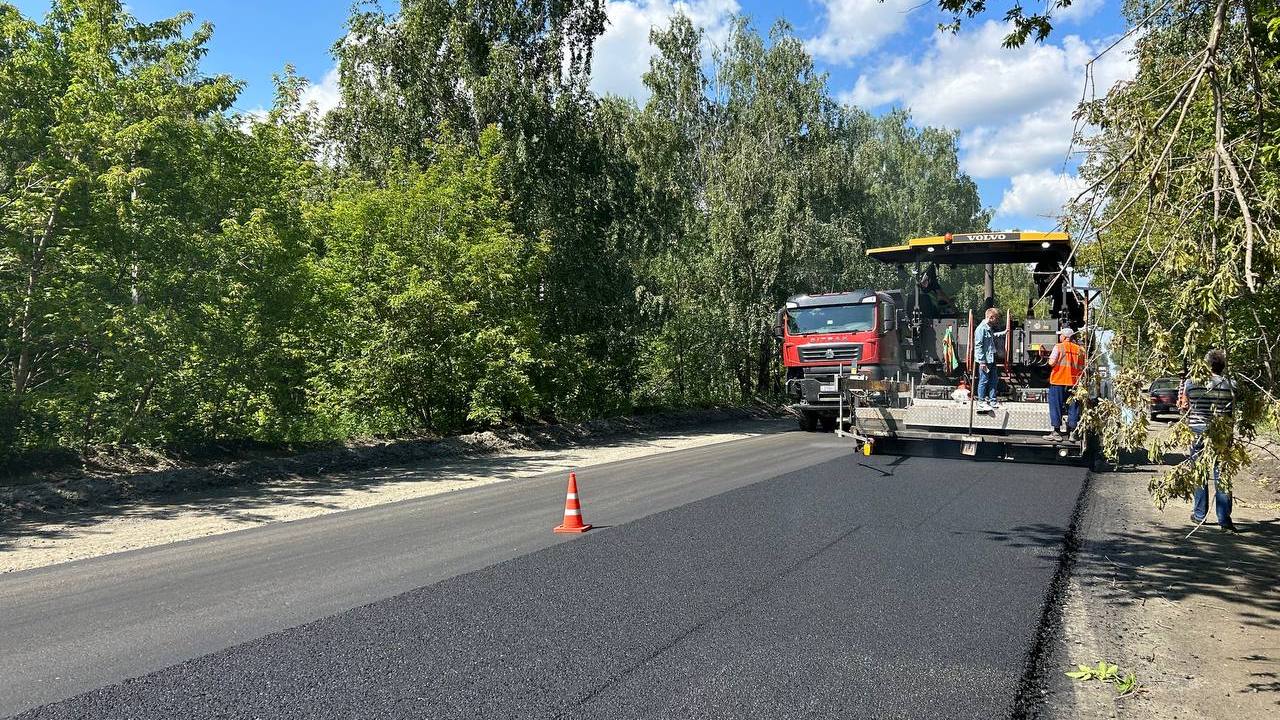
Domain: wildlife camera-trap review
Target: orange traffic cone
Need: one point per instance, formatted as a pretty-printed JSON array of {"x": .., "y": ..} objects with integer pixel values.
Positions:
[{"x": 572, "y": 510}]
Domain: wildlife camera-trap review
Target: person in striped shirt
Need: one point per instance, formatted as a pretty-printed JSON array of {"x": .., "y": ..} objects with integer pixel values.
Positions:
[{"x": 1203, "y": 401}]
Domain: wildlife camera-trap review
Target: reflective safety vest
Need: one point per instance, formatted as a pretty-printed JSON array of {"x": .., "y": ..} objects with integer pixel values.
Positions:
[{"x": 1070, "y": 364}]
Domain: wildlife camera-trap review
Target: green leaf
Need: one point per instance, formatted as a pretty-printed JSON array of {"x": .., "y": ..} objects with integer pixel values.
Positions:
[{"x": 1126, "y": 684}]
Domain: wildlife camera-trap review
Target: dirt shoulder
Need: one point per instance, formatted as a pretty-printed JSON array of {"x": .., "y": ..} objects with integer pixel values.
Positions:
[
  {"x": 1196, "y": 619},
  {"x": 43, "y": 523}
]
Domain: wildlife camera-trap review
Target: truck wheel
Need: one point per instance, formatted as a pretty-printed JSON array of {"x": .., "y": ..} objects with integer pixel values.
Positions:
[
  {"x": 808, "y": 421},
  {"x": 828, "y": 423}
]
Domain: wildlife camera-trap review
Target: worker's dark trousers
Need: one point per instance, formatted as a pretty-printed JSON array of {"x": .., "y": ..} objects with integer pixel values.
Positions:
[
  {"x": 1200, "y": 499},
  {"x": 1058, "y": 396}
]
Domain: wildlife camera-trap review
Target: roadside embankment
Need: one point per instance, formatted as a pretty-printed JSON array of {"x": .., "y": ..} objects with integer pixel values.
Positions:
[
  {"x": 88, "y": 514},
  {"x": 1196, "y": 619}
]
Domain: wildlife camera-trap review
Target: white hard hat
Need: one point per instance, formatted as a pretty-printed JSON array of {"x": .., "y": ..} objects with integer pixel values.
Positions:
[{"x": 1066, "y": 332}]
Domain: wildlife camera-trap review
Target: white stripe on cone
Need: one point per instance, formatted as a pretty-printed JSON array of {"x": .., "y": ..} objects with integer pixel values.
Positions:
[
  {"x": 571, "y": 496},
  {"x": 572, "y": 512}
]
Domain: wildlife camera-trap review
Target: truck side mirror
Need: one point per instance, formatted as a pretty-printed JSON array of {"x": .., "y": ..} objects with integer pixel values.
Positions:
[
  {"x": 888, "y": 318},
  {"x": 779, "y": 318}
]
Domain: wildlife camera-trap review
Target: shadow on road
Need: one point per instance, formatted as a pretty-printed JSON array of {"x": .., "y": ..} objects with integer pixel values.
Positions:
[
  {"x": 1157, "y": 563},
  {"x": 883, "y": 472},
  {"x": 1161, "y": 563}
]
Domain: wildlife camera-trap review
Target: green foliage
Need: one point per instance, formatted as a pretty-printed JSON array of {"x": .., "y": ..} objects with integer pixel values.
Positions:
[
  {"x": 462, "y": 64},
  {"x": 471, "y": 237},
  {"x": 522, "y": 67},
  {"x": 1034, "y": 25},
  {"x": 1126, "y": 684},
  {"x": 430, "y": 298},
  {"x": 132, "y": 271},
  {"x": 1103, "y": 671},
  {"x": 1183, "y": 219},
  {"x": 1106, "y": 672}
]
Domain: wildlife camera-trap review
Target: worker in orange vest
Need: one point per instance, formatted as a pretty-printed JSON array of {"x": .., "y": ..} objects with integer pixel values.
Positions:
[{"x": 1066, "y": 364}]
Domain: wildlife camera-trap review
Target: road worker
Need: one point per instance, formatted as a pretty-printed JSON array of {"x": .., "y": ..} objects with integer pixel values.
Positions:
[
  {"x": 1066, "y": 364},
  {"x": 1066, "y": 304},
  {"x": 984, "y": 354},
  {"x": 934, "y": 301}
]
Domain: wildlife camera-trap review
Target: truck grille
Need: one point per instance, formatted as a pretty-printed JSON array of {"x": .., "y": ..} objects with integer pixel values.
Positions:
[{"x": 845, "y": 353}]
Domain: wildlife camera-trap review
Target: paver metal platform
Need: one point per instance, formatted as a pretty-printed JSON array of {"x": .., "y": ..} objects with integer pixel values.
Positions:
[{"x": 948, "y": 415}]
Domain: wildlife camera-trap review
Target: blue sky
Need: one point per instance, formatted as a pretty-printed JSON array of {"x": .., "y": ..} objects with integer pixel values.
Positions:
[{"x": 1012, "y": 108}]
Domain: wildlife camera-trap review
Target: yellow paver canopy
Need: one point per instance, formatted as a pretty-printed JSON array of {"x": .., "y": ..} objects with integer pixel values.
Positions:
[{"x": 979, "y": 248}]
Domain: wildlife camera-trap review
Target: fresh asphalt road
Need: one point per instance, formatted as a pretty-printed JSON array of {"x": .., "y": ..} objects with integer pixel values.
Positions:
[{"x": 781, "y": 575}]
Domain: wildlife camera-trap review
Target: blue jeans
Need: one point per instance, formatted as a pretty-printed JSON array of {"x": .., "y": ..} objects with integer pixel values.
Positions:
[
  {"x": 988, "y": 381},
  {"x": 1060, "y": 399},
  {"x": 1200, "y": 499}
]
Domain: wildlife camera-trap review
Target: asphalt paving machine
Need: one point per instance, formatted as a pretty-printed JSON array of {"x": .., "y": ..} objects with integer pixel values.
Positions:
[{"x": 879, "y": 366}]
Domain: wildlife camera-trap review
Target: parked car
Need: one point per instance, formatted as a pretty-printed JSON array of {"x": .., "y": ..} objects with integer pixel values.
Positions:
[{"x": 1164, "y": 396}]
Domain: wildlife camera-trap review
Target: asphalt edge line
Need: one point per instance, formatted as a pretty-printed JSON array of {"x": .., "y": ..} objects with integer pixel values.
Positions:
[{"x": 1026, "y": 701}]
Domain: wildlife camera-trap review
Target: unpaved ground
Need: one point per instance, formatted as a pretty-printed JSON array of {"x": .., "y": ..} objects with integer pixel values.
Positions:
[
  {"x": 1197, "y": 620},
  {"x": 166, "y": 519}
]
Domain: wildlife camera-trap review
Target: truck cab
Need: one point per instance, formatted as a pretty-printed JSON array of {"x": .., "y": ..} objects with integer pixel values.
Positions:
[{"x": 829, "y": 334}]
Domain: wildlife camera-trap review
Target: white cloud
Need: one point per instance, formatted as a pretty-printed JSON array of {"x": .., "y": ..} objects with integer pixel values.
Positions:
[
  {"x": 621, "y": 55},
  {"x": 1039, "y": 194},
  {"x": 1078, "y": 11},
  {"x": 326, "y": 95},
  {"x": 856, "y": 27},
  {"x": 863, "y": 95},
  {"x": 969, "y": 79},
  {"x": 1013, "y": 106},
  {"x": 1035, "y": 140}
]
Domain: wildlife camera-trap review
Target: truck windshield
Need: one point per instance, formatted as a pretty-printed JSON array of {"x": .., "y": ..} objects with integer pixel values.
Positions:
[{"x": 831, "y": 319}]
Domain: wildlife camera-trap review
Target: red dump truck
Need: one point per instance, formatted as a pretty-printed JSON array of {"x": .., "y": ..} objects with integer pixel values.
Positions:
[{"x": 824, "y": 336}]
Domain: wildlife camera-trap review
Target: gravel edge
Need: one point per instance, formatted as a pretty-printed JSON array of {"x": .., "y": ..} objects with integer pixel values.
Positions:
[{"x": 82, "y": 491}]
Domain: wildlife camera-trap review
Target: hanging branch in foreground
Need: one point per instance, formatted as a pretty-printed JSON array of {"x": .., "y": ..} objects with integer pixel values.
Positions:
[{"x": 1178, "y": 221}]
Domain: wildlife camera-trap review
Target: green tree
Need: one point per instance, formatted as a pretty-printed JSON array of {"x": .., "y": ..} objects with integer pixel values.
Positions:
[
  {"x": 760, "y": 186},
  {"x": 522, "y": 67},
  {"x": 431, "y": 298},
  {"x": 99, "y": 115},
  {"x": 147, "y": 271},
  {"x": 248, "y": 317},
  {"x": 462, "y": 64},
  {"x": 1183, "y": 218}
]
